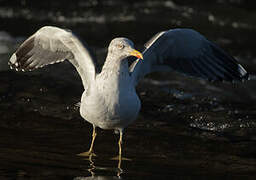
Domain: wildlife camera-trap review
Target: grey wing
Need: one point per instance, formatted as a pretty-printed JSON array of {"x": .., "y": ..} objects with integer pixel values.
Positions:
[
  {"x": 190, "y": 53},
  {"x": 51, "y": 45}
]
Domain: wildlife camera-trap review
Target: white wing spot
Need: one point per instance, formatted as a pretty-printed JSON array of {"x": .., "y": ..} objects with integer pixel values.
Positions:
[{"x": 13, "y": 58}]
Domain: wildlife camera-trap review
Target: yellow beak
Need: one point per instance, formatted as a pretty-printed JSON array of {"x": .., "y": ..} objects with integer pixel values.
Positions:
[{"x": 136, "y": 54}]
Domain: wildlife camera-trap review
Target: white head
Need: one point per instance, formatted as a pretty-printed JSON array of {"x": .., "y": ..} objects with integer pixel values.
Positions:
[{"x": 121, "y": 48}]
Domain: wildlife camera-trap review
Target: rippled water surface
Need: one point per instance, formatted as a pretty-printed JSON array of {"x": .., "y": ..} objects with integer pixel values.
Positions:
[{"x": 187, "y": 128}]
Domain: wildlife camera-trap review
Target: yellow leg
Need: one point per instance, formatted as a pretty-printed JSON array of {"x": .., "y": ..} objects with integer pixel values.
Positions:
[
  {"x": 120, "y": 143},
  {"x": 120, "y": 152},
  {"x": 94, "y": 134},
  {"x": 119, "y": 157},
  {"x": 90, "y": 152}
]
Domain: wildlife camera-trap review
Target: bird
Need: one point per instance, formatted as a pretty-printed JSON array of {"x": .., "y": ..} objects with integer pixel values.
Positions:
[{"x": 109, "y": 99}]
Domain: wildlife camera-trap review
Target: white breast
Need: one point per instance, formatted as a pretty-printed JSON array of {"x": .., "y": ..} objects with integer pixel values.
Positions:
[{"x": 110, "y": 105}]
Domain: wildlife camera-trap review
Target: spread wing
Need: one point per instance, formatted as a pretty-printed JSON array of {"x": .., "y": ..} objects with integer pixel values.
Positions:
[
  {"x": 190, "y": 53},
  {"x": 51, "y": 45}
]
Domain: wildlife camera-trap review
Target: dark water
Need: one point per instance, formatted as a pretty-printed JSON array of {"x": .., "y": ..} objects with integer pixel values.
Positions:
[{"x": 187, "y": 128}]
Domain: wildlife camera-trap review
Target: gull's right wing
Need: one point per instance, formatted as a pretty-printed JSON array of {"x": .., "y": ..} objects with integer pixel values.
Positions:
[{"x": 51, "y": 45}]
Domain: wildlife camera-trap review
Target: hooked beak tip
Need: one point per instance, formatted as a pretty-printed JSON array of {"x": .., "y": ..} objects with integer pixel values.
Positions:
[{"x": 136, "y": 54}]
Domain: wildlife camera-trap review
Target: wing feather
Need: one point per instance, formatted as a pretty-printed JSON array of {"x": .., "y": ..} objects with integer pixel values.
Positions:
[
  {"x": 50, "y": 45},
  {"x": 190, "y": 53}
]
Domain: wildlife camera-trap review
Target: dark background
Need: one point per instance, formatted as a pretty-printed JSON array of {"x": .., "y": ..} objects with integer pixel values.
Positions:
[{"x": 187, "y": 128}]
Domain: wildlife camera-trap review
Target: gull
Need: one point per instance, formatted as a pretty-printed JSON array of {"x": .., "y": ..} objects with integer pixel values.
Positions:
[{"x": 109, "y": 100}]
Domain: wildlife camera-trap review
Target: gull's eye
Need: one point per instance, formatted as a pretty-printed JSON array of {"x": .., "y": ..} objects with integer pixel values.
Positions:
[{"x": 120, "y": 46}]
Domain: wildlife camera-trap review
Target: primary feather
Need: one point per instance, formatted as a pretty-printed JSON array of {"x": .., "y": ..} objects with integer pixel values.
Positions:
[
  {"x": 51, "y": 45},
  {"x": 190, "y": 53}
]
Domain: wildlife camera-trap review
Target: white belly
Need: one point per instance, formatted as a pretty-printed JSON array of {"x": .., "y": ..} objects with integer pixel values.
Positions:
[{"x": 111, "y": 110}]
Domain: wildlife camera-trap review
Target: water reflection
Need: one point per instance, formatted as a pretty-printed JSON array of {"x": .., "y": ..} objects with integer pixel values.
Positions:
[
  {"x": 97, "y": 178},
  {"x": 100, "y": 172}
]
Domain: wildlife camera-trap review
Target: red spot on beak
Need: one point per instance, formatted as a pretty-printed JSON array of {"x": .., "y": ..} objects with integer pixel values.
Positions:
[{"x": 136, "y": 54}]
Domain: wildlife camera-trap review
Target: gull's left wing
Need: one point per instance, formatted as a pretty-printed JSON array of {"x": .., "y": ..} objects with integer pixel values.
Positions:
[{"x": 190, "y": 53}]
